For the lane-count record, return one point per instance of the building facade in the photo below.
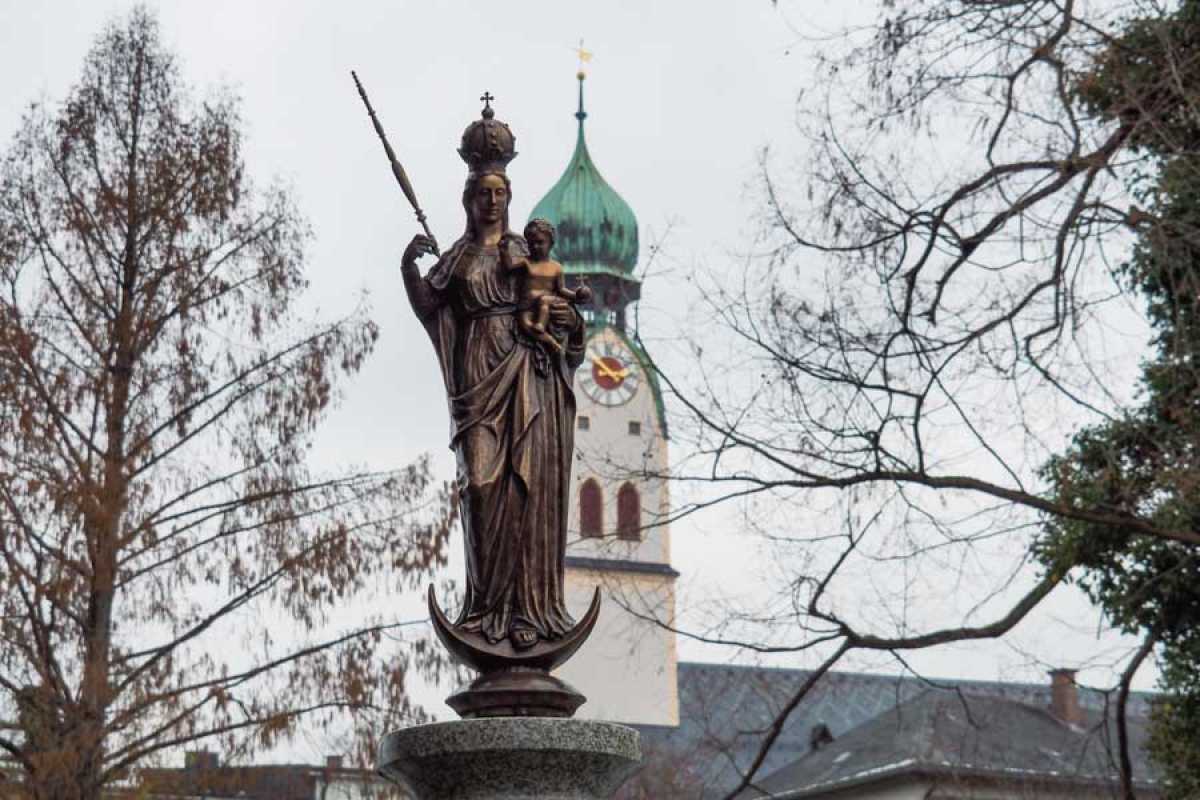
(619, 539)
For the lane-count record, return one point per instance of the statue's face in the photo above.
(490, 200)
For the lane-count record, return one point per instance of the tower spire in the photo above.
(584, 57)
(596, 228)
(581, 115)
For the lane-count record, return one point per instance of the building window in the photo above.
(635, 429)
(591, 509)
(585, 423)
(629, 513)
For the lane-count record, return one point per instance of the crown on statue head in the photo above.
(487, 143)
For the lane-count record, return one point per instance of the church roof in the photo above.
(595, 229)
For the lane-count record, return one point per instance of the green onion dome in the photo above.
(595, 230)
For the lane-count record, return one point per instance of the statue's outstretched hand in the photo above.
(419, 246)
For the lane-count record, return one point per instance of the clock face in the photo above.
(609, 374)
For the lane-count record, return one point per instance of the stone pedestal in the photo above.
(511, 758)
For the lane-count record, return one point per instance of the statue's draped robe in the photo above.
(512, 429)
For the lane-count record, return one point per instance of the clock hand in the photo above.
(607, 370)
(617, 376)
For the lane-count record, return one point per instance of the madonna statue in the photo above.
(512, 420)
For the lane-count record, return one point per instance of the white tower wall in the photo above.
(627, 668)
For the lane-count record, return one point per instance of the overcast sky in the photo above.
(681, 98)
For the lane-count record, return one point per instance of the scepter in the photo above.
(397, 169)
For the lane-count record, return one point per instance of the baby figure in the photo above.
(542, 282)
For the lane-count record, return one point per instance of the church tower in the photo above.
(618, 537)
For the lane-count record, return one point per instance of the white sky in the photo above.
(681, 97)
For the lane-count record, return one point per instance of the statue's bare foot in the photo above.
(551, 342)
(523, 638)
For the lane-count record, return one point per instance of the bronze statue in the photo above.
(512, 422)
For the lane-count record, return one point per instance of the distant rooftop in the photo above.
(203, 776)
(966, 736)
(725, 710)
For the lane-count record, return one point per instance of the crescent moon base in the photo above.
(512, 682)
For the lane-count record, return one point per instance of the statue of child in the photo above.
(542, 282)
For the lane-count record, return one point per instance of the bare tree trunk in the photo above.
(96, 689)
(1122, 728)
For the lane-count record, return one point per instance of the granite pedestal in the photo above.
(511, 758)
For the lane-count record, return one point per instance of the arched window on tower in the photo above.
(629, 512)
(591, 509)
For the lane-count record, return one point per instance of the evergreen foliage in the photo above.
(1146, 463)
